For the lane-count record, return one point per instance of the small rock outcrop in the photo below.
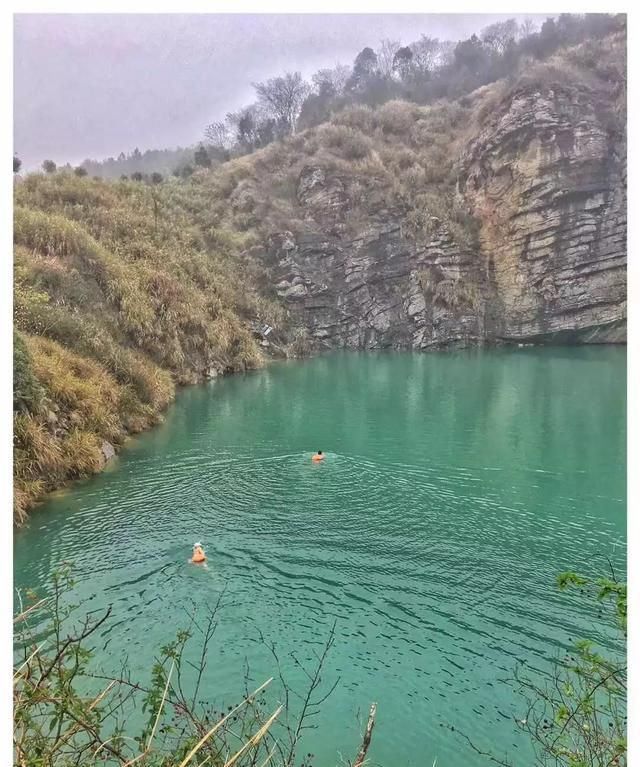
(322, 196)
(108, 451)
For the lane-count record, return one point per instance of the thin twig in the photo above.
(38, 648)
(270, 755)
(87, 631)
(219, 724)
(254, 739)
(21, 616)
(484, 753)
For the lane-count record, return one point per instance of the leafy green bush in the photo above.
(576, 714)
(578, 717)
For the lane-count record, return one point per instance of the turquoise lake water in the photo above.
(456, 486)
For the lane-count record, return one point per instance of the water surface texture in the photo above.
(456, 486)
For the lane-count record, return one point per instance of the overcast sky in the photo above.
(93, 85)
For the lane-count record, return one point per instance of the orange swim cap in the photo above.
(198, 554)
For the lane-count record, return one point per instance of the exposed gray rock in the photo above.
(108, 450)
(322, 195)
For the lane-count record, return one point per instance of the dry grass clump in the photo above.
(424, 215)
(301, 344)
(454, 294)
(78, 385)
(232, 173)
(348, 143)
(82, 405)
(42, 460)
(553, 73)
(485, 104)
(65, 190)
(397, 118)
(82, 454)
(608, 63)
(25, 495)
(51, 235)
(36, 452)
(359, 117)
(37, 462)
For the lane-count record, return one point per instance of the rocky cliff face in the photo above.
(381, 289)
(545, 181)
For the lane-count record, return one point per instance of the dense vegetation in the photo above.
(399, 157)
(119, 294)
(422, 72)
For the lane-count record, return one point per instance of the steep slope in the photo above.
(118, 297)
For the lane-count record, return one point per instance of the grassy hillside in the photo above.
(398, 156)
(119, 296)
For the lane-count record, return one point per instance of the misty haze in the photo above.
(171, 75)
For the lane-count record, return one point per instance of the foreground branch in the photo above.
(366, 740)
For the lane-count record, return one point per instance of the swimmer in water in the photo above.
(317, 457)
(198, 555)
